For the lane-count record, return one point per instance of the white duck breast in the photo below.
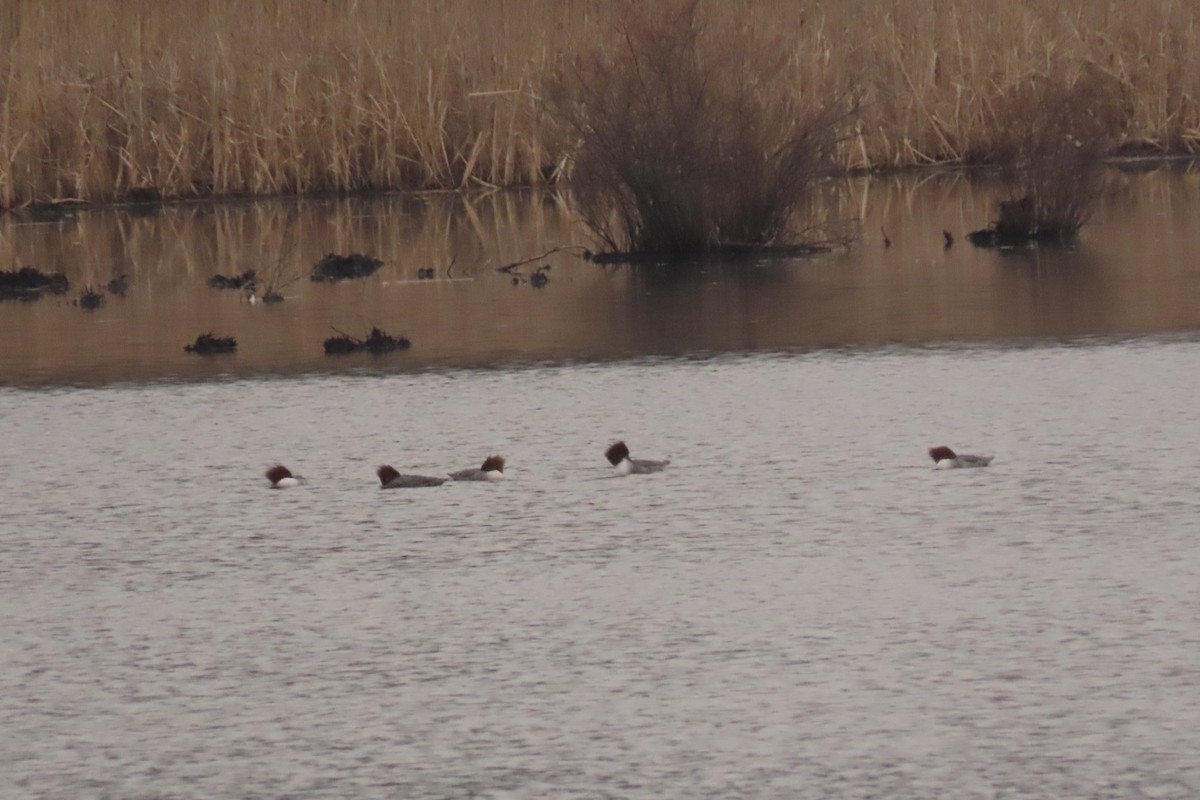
(492, 470)
(282, 478)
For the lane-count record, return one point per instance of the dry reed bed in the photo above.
(300, 96)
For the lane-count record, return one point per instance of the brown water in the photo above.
(1134, 272)
(798, 607)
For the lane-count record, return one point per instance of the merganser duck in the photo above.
(389, 478)
(282, 478)
(618, 455)
(945, 458)
(492, 470)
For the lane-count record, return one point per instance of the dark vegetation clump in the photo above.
(30, 283)
(340, 268)
(377, 342)
(91, 299)
(426, 273)
(244, 281)
(1018, 225)
(143, 196)
(207, 344)
(1052, 136)
(142, 201)
(679, 150)
(118, 286)
(50, 211)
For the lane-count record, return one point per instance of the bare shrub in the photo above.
(689, 137)
(1053, 135)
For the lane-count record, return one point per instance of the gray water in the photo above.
(798, 607)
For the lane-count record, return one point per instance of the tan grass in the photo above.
(299, 96)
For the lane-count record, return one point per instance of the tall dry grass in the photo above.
(938, 72)
(297, 96)
(280, 96)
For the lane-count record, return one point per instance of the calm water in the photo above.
(798, 607)
(1135, 272)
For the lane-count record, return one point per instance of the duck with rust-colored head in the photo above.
(945, 458)
(618, 455)
(492, 470)
(282, 478)
(390, 478)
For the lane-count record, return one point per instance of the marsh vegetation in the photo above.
(30, 283)
(1052, 136)
(91, 298)
(376, 342)
(106, 101)
(334, 267)
(677, 147)
(208, 344)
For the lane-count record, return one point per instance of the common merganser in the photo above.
(389, 478)
(618, 455)
(945, 458)
(282, 478)
(492, 470)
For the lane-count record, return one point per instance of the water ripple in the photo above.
(798, 607)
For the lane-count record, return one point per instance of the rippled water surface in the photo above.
(798, 607)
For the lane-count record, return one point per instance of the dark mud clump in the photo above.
(30, 283)
(244, 281)
(341, 268)
(206, 344)
(377, 342)
(91, 299)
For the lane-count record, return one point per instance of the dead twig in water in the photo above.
(273, 292)
(508, 268)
